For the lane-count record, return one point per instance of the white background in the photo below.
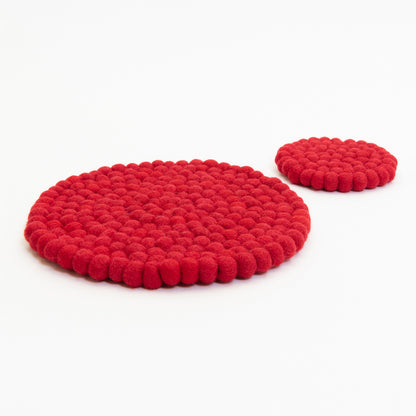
(90, 83)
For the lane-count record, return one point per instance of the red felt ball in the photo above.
(116, 268)
(227, 269)
(276, 253)
(246, 264)
(133, 273)
(52, 248)
(151, 276)
(98, 267)
(81, 260)
(263, 259)
(166, 223)
(189, 271)
(170, 272)
(65, 256)
(43, 240)
(335, 165)
(317, 180)
(345, 181)
(208, 270)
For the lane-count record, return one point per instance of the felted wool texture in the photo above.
(166, 223)
(336, 165)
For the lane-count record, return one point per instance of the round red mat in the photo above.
(336, 165)
(166, 223)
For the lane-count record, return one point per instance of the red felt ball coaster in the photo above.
(336, 165)
(166, 223)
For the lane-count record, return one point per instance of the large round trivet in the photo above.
(166, 223)
(332, 164)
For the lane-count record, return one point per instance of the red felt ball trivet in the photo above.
(166, 223)
(336, 165)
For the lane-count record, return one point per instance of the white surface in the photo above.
(91, 83)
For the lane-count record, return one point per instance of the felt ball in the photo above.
(35, 236)
(34, 224)
(116, 268)
(331, 181)
(305, 177)
(133, 273)
(227, 269)
(263, 259)
(317, 180)
(98, 267)
(246, 264)
(383, 175)
(43, 240)
(345, 181)
(189, 271)
(170, 272)
(65, 256)
(288, 246)
(81, 260)
(359, 181)
(151, 276)
(297, 237)
(276, 253)
(373, 179)
(208, 270)
(52, 248)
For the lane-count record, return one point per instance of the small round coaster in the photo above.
(166, 223)
(336, 165)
